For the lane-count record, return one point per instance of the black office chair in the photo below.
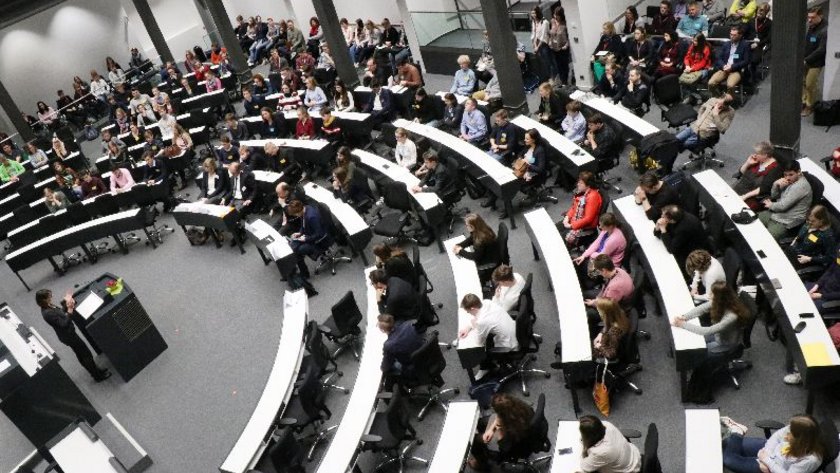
(427, 365)
(457, 191)
(485, 271)
(626, 363)
(667, 95)
(342, 326)
(146, 199)
(392, 225)
(519, 360)
(426, 313)
(828, 437)
(537, 442)
(286, 453)
(320, 357)
(307, 408)
(703, 153)
(610, 161)
(388, 431)
(330, 255)
(732, 268)
(650, 455)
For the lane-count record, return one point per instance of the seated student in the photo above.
(155, 169)
(488, 318)
(640, 51)
(464, 81)
(728, 318)
(482, 240)
(698, 61)
(600, 139)
(741, 11)
(241, 192)
(121, 180)
(616, 326)
(380, 105)
(668, 59)
(330, 126)
(531, 166)
(287, 224)
(423, 109)
(214, 184)
(473, 123)
(634, 94)
(394, 262)
(305, 127)
(789, 201)
(664, 20)
(188, 90)
(503, 138)
(135, 135)
(611, 82)
(408, 75)
(713, 117)
(213, 83)
(121, 121)
(757, 32)
(272, 125)
(704, 269)
(152, 143)
(610, 42)
(108, 137)
(405, 152)
(681, 233)
(342, 99)
(345, 188)
(55, 200)
(67, 180)
(227, 153)
(289, 99)
(235, 129)
(758, 173)
(452, 114)
(166, 124)
(374, 73)
(311, 238)
(434, 177)
(551, 111)
(694, 23)
(605, 449)
(394, 295)
(252, 104)
(261, 87)
(574, 124)
(580, 223)
(344, 158)
(91, 186)
(796, 448)
(508, 286)
(826, 289)
(11, 153)
(508, 428)
(618, 287)
(314, 97)
(491, 91)
(145, 116)
(816, 241)
(654, 194)
(117, 155)
(715, 10)
(610, 241)
(37, 157)
(272, 159)
(734, 57)
(403, 340)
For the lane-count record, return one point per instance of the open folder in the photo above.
(89, 305)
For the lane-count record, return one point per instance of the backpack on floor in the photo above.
(653, 150)
(483, 391)
(827, 113)
(91, 133)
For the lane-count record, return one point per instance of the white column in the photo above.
(584, 19)
(411, 33)
(831, 72)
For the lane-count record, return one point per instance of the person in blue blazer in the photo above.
(731, 61)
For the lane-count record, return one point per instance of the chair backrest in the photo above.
(54, 223)
(397, 415)
(748, 301)
(666, 91)
(605, 202)
(628, 347)
(311, 394)
(428, 362)
(650, 463)
(397, 196)
(525, 327)
(538, 429)
(346, 314)
(817, 188)
(828, 434)
(287, 454)
(315, 346)
(426, 313)
(77, 214)
(502, 239)
(732, 265)
(327, 222)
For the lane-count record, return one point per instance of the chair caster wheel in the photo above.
(618, 179)
(639, 392)
(419, 441)
(547, 375)
(457, 391)
(340, 373)
(527, 393)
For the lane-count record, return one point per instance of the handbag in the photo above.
(600, 393)
(743, 217)
(520, 167)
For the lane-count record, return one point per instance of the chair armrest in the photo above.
(810, 270)
(631, 433)
(737, 175)
(368, 438)
(768, 426)
(826, 159)
(324, 329)
(287, 421)
(501, 351)
(384, 395)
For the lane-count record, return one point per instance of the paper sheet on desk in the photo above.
(89, 305)
(815, 354)
(4, 365)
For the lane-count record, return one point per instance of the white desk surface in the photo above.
(497, 171)
(466, 282)
(702, 441)
(675, 294)
(621, 114)
(397, 173)
(455, 437)
(396, 89)
(279, 248)
(315, 145)
(568, 436)
(814, 340)
(460, 98)
(831, 193)
(197, 97)
(267, 176)
(291, 115)
(201, 208)
(76, 453)
(568, 148)
(279, 386)
(352, 222)
(574, 325)
(358, 414)
(25, 352)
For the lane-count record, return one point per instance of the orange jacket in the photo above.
(591, 210)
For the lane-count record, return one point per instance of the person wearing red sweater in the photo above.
(580, 223)
(305, 128)
(698, 61)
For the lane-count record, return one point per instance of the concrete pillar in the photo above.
(583, 21)
(153, 30)
(325, 10)
(229, 40)
(13, 112)
(788, 39)
(411, 33)
(503, 45)
(831, 73)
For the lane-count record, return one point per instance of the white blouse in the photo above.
(406, 153)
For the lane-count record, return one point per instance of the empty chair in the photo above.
(342, 326)
(608, 162)
(330, 256)
(308, 409)
(393, 224)
(453, 197)
(666, 93)
(146, 198)
(388, 432)
(428, 364)
(320, 357)
(286, 454)
(537, 441)
(650, 455)
(519, 359)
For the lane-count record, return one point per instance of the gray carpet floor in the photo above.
(221, 313)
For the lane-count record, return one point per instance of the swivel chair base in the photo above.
(434, 397)
(522, 370)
